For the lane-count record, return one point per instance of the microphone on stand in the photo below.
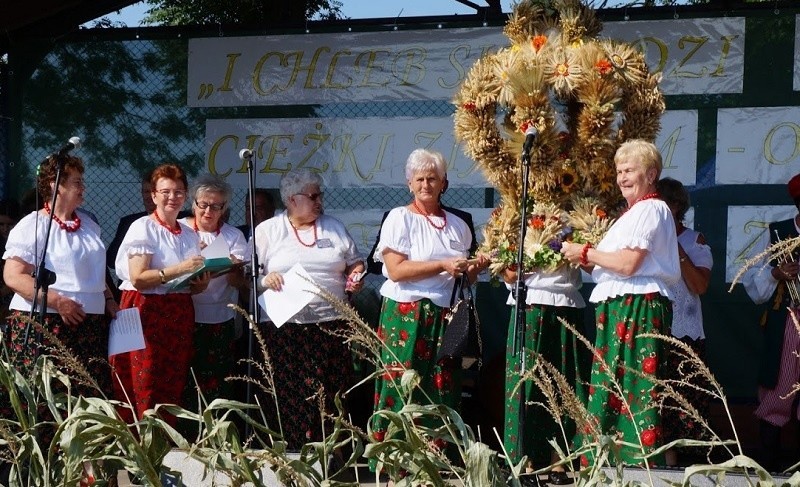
(530, 137)
(245, 154)
(72, 143)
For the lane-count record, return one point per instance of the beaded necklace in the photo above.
(174, 231)
(76, 221)
(194, 224)
(444, 224)
(648, 196)
(297, 235)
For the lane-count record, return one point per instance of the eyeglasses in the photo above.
(312, 197)
(178, 193)
(213, 206)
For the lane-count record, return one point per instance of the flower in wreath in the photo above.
(603, 67)
(627, 63)
(568, 178)
(563, 70)
(589, 220)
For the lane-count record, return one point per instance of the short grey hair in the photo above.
(209, 183)
(642, 152)
(425, 160)
(293, 182)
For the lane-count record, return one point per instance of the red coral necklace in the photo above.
(76, 221)
(194, 223)
(297, 235)
(419, 210)
(648, 196)
(174, 231)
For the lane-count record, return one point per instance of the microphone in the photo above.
(245, 154)
(530, 136)
(72, 143)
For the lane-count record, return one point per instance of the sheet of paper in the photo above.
(294, 295)
(216, 249)
(125, 333)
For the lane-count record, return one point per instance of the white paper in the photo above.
(216, 249)
(125, 333)
(294, 295)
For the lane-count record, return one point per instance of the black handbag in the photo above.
(462, 336)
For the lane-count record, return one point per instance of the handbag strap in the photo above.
(461, 289)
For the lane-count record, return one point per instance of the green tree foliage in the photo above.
(137, 115)
(249, 12)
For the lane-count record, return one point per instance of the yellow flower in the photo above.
(569, 179)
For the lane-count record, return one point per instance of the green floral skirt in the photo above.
(623, 397)
(411, 334)
(547, 338)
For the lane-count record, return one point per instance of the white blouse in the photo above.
(147, 237)
(558, 288)
(279, 249)
(412, 234)
(687, 315)
(211, 306)
(77, 258)
(647, 225)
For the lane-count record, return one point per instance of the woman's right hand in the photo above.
(273, 281)
(70, 311)
(509, 276)
(191, 264)
(456, 266)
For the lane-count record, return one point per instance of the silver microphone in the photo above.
(245, 154)
(72, 143)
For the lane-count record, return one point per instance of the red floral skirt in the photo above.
(156, 374)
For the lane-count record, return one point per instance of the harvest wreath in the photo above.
(585, 96)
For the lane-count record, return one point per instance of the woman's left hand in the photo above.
(200, 283)
(236, 277)
(572, 251)
(354, 282)
(111, 308)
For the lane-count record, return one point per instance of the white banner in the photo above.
(697, 56)
(677, 142)
(796, 79)
(354, 152)
(748, 235)
(347, 152)
(757, 145)
(334, 68)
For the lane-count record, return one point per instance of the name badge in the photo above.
(324, 243)
(456, 245)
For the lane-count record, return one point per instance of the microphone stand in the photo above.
(43, 277)
(254, 274)
(520, 294)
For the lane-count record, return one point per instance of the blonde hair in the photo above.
(641, 151)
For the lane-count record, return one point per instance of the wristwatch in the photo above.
(162, 276)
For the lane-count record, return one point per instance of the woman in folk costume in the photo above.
(633, 265)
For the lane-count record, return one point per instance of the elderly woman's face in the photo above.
(208, 208)
(306, 206)
(169, 195)
(634, 180)
(426, 186)
(71, 189)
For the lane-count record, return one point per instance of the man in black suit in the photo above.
(264, 208)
